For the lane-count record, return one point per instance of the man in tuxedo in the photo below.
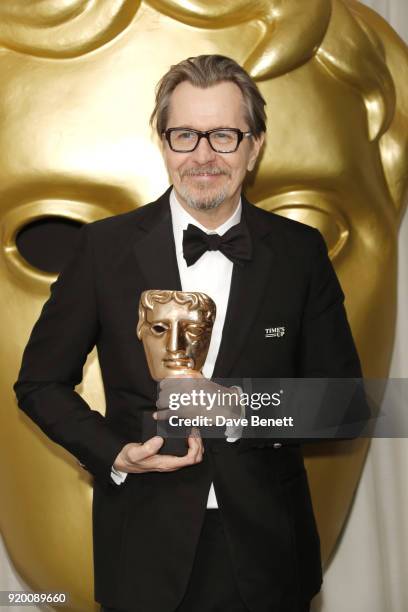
(229, 525)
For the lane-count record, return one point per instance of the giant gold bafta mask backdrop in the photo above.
(77, 90)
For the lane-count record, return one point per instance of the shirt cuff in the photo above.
(234, 432)
(118, 476)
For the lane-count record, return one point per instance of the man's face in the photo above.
(205, 179)
(175, 339)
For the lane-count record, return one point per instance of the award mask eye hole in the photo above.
(47, 243)
(194, 331)
(158, 329)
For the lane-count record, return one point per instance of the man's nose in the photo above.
(203, 153)
(176, 340)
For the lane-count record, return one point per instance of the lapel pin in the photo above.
(274, 332)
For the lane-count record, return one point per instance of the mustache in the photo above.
(204, 170)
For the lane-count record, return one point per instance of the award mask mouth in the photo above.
(175, 363)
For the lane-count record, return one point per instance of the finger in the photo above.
(198, 453)
(163, 400)
(201, 446)
(164, 383)
(186, 373)
(181, 381)
(149, 448)
(164, 463)
(171, 381)
(171, 462)
(162, 415)
(196, 433)
(195, 447)
(183, 412)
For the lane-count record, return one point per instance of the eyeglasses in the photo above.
(224, 140)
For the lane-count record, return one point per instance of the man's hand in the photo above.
(137, 457)
(205, 398)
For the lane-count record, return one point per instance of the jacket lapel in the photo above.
(248, 284)
(154, 247)
(156, 258)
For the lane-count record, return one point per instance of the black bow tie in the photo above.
(235, 243)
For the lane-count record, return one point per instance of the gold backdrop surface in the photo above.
(77, 90)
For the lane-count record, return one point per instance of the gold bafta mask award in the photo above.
(175, 328)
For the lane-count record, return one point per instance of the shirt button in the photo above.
(277, 445)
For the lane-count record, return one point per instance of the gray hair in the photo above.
(205, 71)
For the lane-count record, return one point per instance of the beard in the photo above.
(202, 197)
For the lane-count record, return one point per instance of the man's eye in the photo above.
(185, 135)
(223, 136)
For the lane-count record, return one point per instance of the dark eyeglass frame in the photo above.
(240, 136)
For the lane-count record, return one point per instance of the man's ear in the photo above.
(257, 142)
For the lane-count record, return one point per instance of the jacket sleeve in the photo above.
(52, 366)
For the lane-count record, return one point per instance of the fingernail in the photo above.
(155, 415)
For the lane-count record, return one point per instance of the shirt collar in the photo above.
(181, 218)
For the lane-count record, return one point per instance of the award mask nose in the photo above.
(176, 343)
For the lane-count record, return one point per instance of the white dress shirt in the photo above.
(210, 274)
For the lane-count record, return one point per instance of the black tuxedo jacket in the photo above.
(146, 530)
